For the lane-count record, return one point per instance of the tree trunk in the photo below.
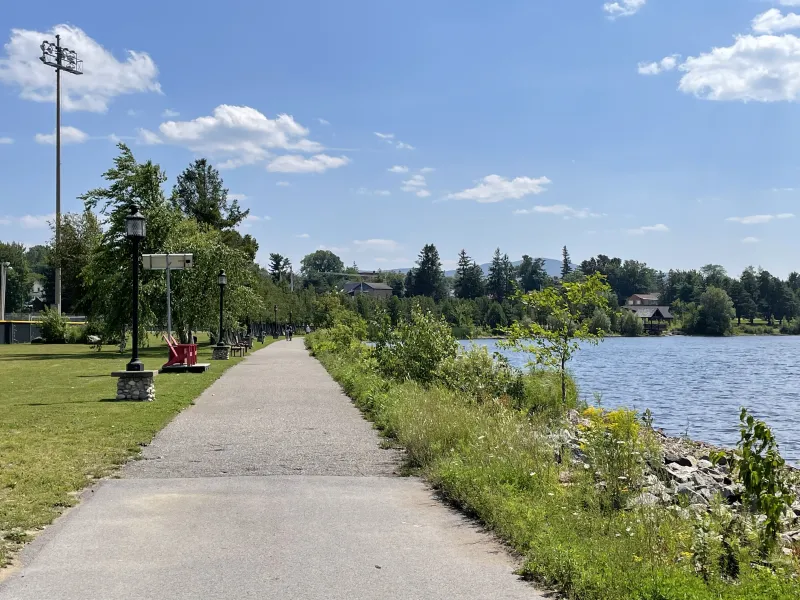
(563, 382)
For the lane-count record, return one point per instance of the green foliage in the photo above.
(200, 194)
(630, 325)
(532, 274)
(559, 326)
(81, 236)
(469, 281)
(427, 278)
(615, 451)
(566, 263)
(314, 267)
(600, 323)
(53, 326)
(496, 316)
(18, 281)
(414, 349)
(502, 280)
(713, 315)
(762, 471)
(483, 377)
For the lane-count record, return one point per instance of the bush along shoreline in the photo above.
(599, 504)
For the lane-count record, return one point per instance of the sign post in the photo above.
(168, 262)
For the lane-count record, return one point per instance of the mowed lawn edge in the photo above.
(61, 427)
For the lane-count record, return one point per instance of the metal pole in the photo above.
(2, 291)
(169, 304)
(221, 292)
(58, 175)
(135, 364)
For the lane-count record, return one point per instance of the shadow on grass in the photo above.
(143, 353)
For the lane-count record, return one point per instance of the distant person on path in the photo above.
(291, 332)
(308, 329)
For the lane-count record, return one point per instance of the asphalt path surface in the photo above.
(272, 486)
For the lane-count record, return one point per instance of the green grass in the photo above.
(61, 427)
(492, 463)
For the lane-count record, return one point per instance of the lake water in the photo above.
(696, 384)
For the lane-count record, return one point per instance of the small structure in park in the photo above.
(655, 317)
(182, 358)
(379, 290)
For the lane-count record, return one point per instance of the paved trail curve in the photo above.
(271, 487)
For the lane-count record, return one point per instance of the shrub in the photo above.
(414, 349)
(481, 376)
(53, 327)
(630, 325)
(600, 322)
(76, 334)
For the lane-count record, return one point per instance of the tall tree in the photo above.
(715, 276)
(502, 277)
(566, 264)
(108, 275)
(81, 236)
(743, 303)
(749, 281)
(277, 266)
(199, 193)
(18, 281)
(427, 278)
(469, 282)
(317, 268)
(41, 268)
(532, 274)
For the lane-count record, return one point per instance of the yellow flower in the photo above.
(637, 559)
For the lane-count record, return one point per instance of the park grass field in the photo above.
(61, 427)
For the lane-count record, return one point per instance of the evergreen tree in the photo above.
(427, 278)
(277, 266)
(532, 274)
(502, 277)
(469, 282)
(200, 194)
(566, 264)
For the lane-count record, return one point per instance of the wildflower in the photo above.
(533, 473)
(637, 559)
(550, 494)
(617, 535)
(481, 437)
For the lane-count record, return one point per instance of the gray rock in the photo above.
(643, 499)
(686, 490)
(705, 464)
(679, 473)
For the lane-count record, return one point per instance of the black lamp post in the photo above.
(135, 230)
(222, 279)
(275, 331)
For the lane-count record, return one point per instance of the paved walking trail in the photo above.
(271, 487)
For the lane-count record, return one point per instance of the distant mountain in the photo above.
(551, 265)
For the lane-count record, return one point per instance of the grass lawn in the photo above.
(60, 427)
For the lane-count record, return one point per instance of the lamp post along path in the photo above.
(60, 58)
(135, 230)
(222, 279)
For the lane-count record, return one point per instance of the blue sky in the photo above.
(661, 130)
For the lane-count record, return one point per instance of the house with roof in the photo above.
(655, 317)
(370, 288)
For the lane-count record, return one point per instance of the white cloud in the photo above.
(416, 185)
(104, 78)
(750, 240)
(623, 8)
(5, 221)
(132, 112)
(367, 192)
(282, 183)
(404, 146)
(398, 169)
(759, 219)
(376, 244)
(667, 63)
(36, 221)
(69, 135)
(238, 197)
(304, 236)
(251, 218)
(241, 134)
(494, 188)
(384, 136)
(763, 68)
(560, 210)
(323, 121)
(170, 114)
(423, 193)
(660, 228)
(293, 163)
(427, 170)
(335, 249)
(6, 140)
(773, 21)
(147, 137)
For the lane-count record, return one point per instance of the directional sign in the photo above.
(176, 262)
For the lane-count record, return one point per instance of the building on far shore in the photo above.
(655, 317)
(370, 288)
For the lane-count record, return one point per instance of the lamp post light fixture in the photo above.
(60, 58)
(222, 280)
(5, 267)
(135, 230)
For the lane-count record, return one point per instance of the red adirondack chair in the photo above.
(180, 354)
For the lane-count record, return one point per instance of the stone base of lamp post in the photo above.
(220, 352)
(136, 385)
